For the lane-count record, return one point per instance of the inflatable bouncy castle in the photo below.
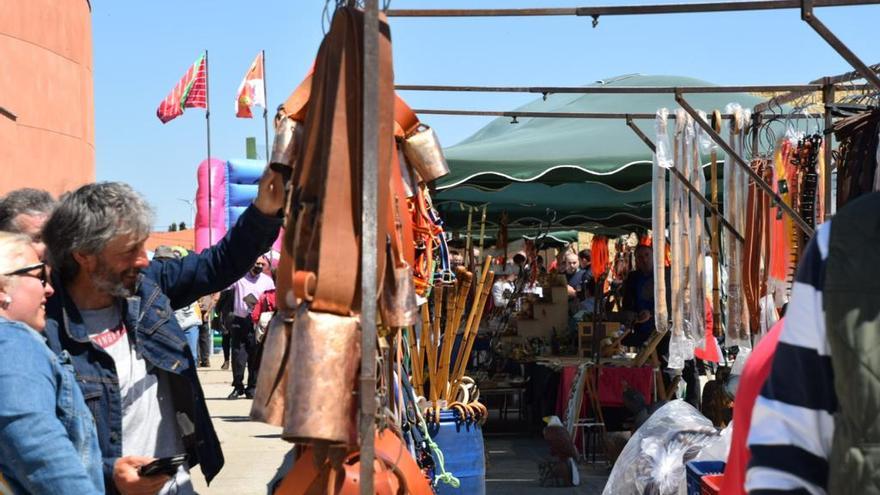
(234, 185)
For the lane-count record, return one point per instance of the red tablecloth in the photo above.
(610, 386)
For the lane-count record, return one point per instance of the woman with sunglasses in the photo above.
(48, 441)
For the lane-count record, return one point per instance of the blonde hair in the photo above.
(14, 248)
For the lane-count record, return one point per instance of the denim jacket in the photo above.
(48, 441)
(163, 286)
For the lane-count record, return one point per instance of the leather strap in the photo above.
(327, 184)
(405, 120)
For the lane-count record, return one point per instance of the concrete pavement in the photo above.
(253, 451)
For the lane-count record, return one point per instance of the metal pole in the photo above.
(679, 8)
(546, 90)
(690, 187)
(731, 154)
(369, 222)
(573, 115)
(828, 99)
(482, 233)
(839, 46)
(265, 106)
(208, 126)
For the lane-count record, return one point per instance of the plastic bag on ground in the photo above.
(653, 461)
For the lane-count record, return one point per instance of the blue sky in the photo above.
(141, 49)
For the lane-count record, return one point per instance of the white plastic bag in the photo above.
(653, 461)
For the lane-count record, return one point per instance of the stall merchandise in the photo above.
(313, 343)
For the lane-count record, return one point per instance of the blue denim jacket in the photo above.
(163, 286)
(48, 441)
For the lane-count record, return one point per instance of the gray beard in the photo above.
(107, 282)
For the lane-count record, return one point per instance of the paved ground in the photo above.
(254, 451)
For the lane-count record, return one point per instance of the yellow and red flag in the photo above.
(252, 90)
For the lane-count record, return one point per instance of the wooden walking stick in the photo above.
(452, 326)
(484, 274)
(414, 359)
(448, 339)
(432, 347)
(472, 330)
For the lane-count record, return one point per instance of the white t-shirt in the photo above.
(149, 427)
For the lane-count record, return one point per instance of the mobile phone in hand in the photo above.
(164, 465)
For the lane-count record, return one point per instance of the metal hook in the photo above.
(514, 121)
(595, 21)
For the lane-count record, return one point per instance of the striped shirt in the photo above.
(792, 421)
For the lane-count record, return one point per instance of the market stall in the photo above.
(386, 286)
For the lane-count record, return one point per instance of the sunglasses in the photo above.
(26, 272)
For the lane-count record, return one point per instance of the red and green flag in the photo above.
(190, 92)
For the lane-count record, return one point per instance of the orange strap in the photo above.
(296, 104)
(405, 120)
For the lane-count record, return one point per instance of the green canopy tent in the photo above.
(584, 173)
(553, 239)
(532, 206)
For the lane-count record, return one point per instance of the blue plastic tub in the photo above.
(697, 469)
(462, 445)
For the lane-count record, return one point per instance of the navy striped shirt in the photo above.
(792, 421)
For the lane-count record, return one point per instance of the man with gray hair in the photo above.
(24, 211)
(113, 313)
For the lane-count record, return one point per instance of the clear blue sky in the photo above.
(143, 48)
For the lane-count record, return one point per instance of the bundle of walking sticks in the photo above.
(431, 352)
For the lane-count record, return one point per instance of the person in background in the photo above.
(263, 313)
(48, 442)
(112, 313)
(245, 348)
(223, 321)
(24, 211)
(577, 277)
(539, 260)
(206, 330)
(502, 288)
(584, 259)
(638, 300)
(455, 259)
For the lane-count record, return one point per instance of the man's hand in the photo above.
(129, 482)
(270, 196)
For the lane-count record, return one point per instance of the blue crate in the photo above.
(697, 469)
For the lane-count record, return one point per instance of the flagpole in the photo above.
(265, 106)
(208, 127)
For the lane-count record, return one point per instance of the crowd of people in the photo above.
(99, 344)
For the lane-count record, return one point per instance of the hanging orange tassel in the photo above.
(599, 256)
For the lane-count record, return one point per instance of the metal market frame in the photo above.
(368, 405)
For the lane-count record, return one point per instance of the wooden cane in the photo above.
(433, 343)
(484, 274)
(448, 339)
(415, 362)
(472, 332)
(464, 288)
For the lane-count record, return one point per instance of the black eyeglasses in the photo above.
(26, 272)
